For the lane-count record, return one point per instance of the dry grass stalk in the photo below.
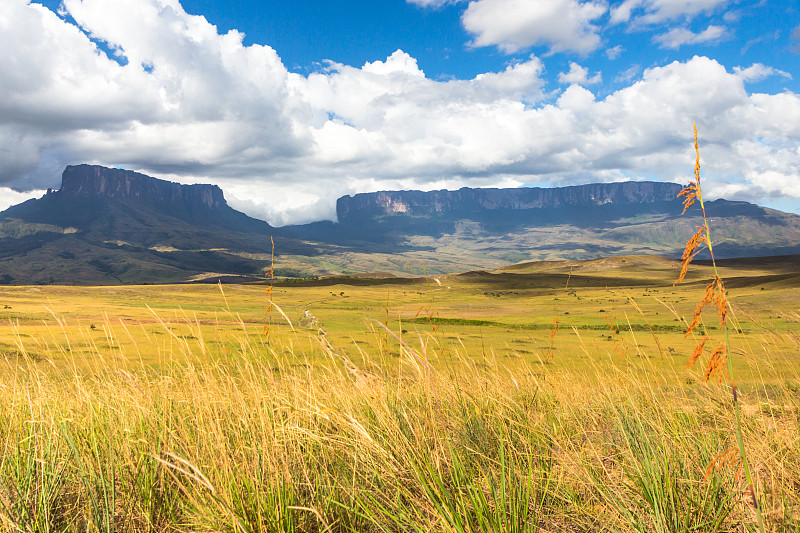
(715, 295)
(698, 351)
(728, 458)
(553, 333)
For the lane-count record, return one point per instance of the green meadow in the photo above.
(550, 396)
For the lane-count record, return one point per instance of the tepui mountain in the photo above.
(110, 226)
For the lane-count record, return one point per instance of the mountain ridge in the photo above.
(468, 199)
(108, 226)
(95, 180)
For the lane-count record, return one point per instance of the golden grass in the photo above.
(294, 433)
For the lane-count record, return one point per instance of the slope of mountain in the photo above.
(115, 226)
(107, 226)
(486, 228)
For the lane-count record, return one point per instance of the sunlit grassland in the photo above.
(195, 407)
(604, 319)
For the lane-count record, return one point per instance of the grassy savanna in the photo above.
(609, 311)
(164, 408)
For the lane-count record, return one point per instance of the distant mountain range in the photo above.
(108, 226)
(115, 226)
(487, 228)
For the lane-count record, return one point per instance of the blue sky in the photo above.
(288, 105)
(354, 32)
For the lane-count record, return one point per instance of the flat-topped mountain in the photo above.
(466, 200)
(97, 181)
(107, 226)
(88, 190)
(487, 228)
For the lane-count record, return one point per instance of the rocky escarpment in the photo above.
(466, 200)
(91, 194)
(108, 225)
(115, 226)
(97, 181)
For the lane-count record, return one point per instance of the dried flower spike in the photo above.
(698, 351)
(692, 191)
(691, 250)
(715, 294)
(716, 362)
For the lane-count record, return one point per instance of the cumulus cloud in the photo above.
(758, 72)
(677, 37)
(283, 146)
(387, 115)
(432, 3)
(579, 75)
(472, 132)
(176, 112)
(644, 12)
(561, 25)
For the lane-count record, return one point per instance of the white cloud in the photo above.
(627, 75)
(433, 3)
(643, 12)
(64, 99)
(758, 72)
(731, 17)
(513, 25)
(614, 52)
(9, 197)
(677, 37)
(579, 75)
(388, 115)
(284, 146)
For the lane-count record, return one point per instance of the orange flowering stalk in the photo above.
(715, 295)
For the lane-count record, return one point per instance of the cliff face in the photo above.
(108, 226)
(97, 181)
(475, 200)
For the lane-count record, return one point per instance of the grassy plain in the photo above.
(399, 404)
(609, 311)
